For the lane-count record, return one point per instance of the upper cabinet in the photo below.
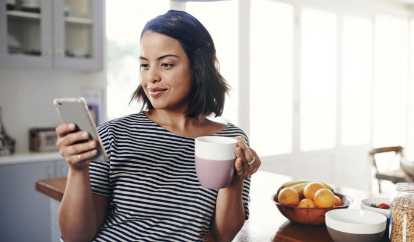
(61, 34)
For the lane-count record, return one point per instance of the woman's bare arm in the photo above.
(229, 215)
(81, 213)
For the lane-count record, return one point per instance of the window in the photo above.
(123, 50)
(271, 77)
(390, 82)
(220, 19)
(371, 81)
(318, 80)
(357, 52)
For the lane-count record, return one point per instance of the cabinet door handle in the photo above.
(47, 52)
(59, 53)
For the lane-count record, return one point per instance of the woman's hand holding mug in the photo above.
(247, 161)
(220, 160)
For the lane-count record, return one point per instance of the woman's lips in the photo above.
(156, 91)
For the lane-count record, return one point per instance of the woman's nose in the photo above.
(153, 75)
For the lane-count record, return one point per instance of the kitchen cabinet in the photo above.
(25, 214)
(60, 34)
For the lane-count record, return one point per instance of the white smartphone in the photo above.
(75, 110)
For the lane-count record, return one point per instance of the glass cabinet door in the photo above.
(25, 33)
(78, 34)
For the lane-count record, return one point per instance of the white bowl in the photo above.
(366, 205)
(355, 225)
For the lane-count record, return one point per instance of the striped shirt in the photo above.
(151, 183)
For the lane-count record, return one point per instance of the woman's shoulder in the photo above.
(125, 121)
(231, 130)
(235, 129)
(120, 124)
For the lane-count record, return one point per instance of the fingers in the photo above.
(244, 156)
(63, 129)
(72, 143)
(71, 138)
(78, 156)
(80, 148)
(246, 150)
(257, 162)
(79, 159)
(240, 158)
(239, 167)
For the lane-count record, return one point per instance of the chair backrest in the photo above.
(396, 149)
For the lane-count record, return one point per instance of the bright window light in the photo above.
(390, 82)
(318, 80)
(125, 20)
(357, 58)
(271, 77)
(220, 19)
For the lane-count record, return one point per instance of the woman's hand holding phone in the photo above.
(81, 213)
(75, 146)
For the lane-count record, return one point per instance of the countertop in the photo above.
(53, 188)
(266, 223)
(27, 157)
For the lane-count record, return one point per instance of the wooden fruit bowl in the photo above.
(311, 216)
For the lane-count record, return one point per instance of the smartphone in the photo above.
(75, 110)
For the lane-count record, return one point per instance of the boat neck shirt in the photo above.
(150, 179)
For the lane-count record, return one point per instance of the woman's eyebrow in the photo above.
(168, 55)
(159, 58)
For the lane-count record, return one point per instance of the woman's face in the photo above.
(166, 76)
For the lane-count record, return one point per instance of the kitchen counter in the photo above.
(29, 157)
(53, 188)
(266, 223)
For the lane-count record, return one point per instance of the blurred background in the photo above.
(316, 84)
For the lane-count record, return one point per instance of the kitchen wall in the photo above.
(26, 97)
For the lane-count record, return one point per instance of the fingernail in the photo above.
(238, 138)
(85, 134)
(71, 126)
(92, 144)
(93, 152)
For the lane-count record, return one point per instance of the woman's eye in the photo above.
(167, 65)
(144, 65)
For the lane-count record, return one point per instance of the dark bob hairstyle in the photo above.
(209, 87)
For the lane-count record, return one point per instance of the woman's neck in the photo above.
(183, 126)
(172, 119)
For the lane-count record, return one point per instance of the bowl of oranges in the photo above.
(306, 202)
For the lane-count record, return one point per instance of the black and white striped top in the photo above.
(152, 183)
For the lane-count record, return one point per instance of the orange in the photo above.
(306, 203)
(288, 196)
(324, 198)
(338, 201)
(310, 189)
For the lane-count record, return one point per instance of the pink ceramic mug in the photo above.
(214, 160)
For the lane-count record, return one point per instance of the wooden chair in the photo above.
(394, 176)
(405, 166)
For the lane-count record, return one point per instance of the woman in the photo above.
(148, 190)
